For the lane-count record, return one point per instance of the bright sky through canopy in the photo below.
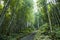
(2, 2)
(53, 1)
(35, 6)
(34, 0)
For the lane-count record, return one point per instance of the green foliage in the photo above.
(17, 15)
(43, 33)
(19, 20)
(1, 7)
(26, 31)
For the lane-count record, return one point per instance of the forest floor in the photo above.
(30, 37)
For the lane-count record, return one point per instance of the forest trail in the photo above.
(29, 37)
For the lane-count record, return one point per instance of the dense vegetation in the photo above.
(19, 18)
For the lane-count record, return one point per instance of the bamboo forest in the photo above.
(29, 19)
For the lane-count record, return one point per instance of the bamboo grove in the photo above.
(19, 18)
